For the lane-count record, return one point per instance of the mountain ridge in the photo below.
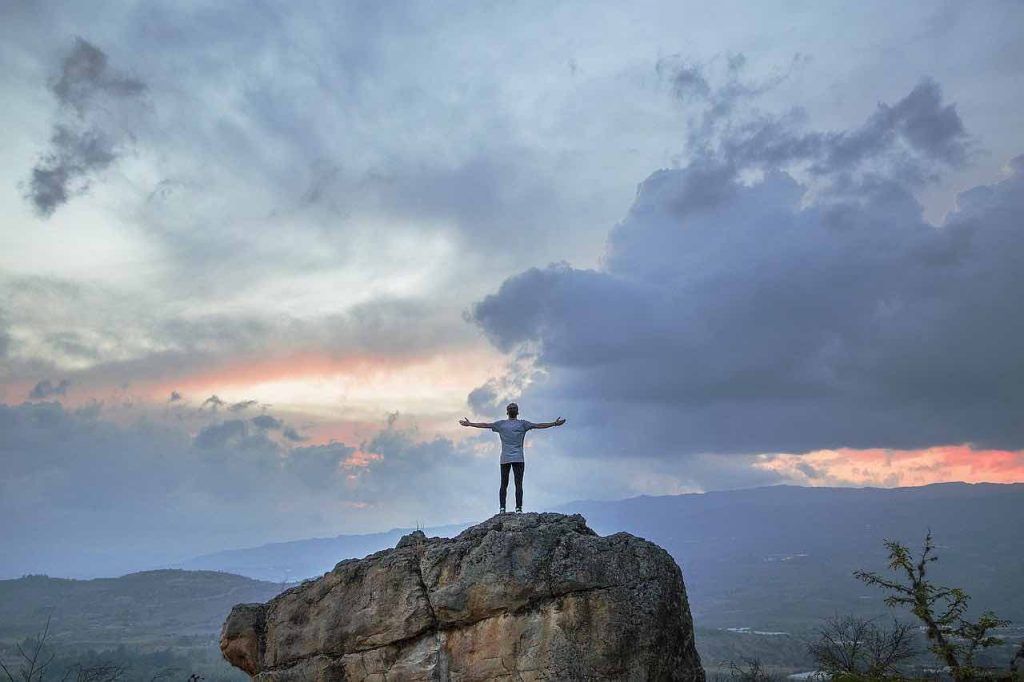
(803, 541)
(771, 559)
(380, 540)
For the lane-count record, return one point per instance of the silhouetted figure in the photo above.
(512, 432)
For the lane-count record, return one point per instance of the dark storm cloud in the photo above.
(175, 397)
(740, 317)
(929, 127)
(89, 135)
(909, 141)
(46, 389)
(294, 436)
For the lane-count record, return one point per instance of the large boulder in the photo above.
(517, 597)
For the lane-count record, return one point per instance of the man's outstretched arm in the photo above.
(481, 425)
(548, 425)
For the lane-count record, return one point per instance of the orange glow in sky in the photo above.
(891, 468)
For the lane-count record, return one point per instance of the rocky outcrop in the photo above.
(517, 597)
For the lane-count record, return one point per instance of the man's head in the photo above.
(513, 410)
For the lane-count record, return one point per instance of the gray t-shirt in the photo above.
(512, 432)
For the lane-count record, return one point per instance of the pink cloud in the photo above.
(890, 468)
(360, 460)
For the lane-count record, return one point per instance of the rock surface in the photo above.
(517, 597)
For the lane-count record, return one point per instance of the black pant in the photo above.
(517, 469)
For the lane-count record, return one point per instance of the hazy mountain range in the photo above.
(767, 558)
(762, 568)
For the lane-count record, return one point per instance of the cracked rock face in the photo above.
(517, 597)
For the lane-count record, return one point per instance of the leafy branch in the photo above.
(952, 637)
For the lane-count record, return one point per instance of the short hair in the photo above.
(512, 407)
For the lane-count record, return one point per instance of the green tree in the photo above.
(953, 638)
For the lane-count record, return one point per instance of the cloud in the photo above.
(214, 403)
(807, 306)
(243, 405)
(888, 467)
(265, 421)
(401, 463)
(5, 337)
(233, 433)
(175, 397)
(319, 466)
(86, 76)
(254, 162)
(90, 133)
(484, 398)
(45, 389)
(497, 392)
(150, 494)
(99, 336)
(219, 435)
(229, 142)
(246, 225)
(910, 141)
(268, 423)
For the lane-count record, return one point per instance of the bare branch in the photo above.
(852, 646)
(7, 672)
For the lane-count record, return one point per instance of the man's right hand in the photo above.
(464, 421)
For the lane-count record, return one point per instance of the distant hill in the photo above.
(774, 559)
(757, 563)
(771, 559)
(165, 608)
(781, 557)
(300, 559)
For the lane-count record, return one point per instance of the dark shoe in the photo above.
(501, 511)
(519, 510)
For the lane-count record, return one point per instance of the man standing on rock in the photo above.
(512, 432)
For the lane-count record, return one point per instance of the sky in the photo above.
(258, 259)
